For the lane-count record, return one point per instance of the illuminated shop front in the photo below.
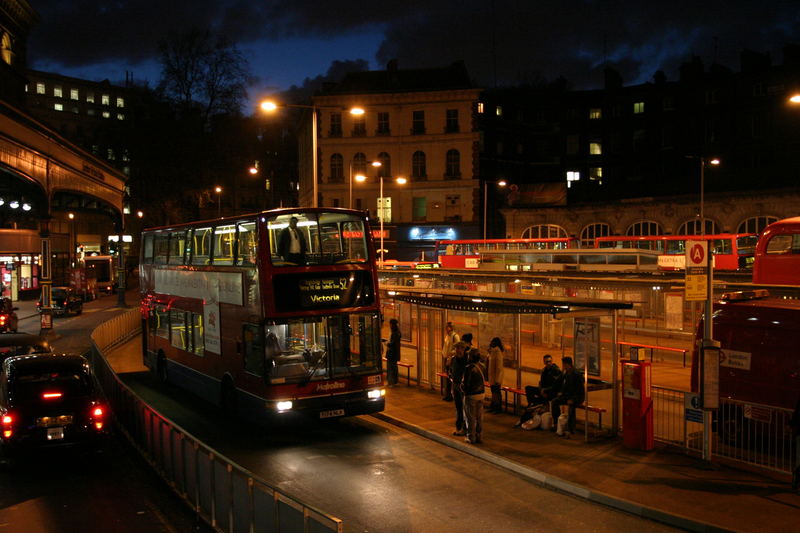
(20, 275)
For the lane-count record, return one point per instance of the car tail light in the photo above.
(97, 416)
(7, 421)
(3, 319)
(51, 395)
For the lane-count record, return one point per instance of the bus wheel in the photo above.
(227, 397)
(161, 368)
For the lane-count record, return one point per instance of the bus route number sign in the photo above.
(697, 271)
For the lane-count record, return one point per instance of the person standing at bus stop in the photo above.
(392, 353)
(495, 374)
(448, 350)
(457, 365)
(292, 244)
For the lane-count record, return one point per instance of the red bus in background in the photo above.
(466, 253)
(230, 319)
(732, 251)
(777, 256)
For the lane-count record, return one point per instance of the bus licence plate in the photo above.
(331, 413)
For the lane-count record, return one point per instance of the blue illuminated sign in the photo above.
(432, 233)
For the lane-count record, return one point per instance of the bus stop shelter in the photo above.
(529, 327)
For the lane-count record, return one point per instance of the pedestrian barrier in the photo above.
(743, 432)
(227, 496)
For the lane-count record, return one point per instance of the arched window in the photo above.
(337, 168)
(359, 163)
(544, 231)
(590, 232)
(418, 170)
(453, 165)
(385, 170)
(6, 52)
(644, 228)
(755, 224)
(694, 227)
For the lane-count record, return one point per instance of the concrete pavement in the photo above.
(665, 485)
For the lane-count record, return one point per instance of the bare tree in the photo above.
(204, 72)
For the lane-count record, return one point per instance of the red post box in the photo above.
(637, 405)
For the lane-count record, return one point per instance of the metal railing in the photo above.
(669, 421)
(750, 433)
(227, 496)
(755, 434)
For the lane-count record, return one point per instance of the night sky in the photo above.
(291, 42)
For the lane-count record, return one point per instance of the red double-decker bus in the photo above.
(777, 260)
(466, 253)
(732, 251)
(270, 313)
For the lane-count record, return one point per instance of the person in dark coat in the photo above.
(292, 244)
(393, 352)
(570, 393)
(457, 366)
(549, 380)
(473, 387)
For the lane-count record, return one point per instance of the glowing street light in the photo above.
(218, 190)
(269, 106)
(381, 200)
(500, 183)
(358, 177)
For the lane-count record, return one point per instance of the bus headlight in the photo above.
(374, 394)
(283, 406)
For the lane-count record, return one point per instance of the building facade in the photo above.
(420, 125)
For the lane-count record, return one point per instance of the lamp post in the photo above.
(358, 177)
(382, 204)
(500, 183)
(72, 244)
(218, 190)
(707, 342)
(270, 106)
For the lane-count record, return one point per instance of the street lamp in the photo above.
(358, 177)
(500, 183)
(707, 341)
(270, 106)
(218, 190)
(381, 202)
(703, 162)
(72, 244)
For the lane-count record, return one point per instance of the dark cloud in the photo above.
(509, 40)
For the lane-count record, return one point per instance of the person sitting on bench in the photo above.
(546, 391)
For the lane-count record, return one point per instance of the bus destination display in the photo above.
(345, 289)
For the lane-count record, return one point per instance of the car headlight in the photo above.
(374, 394)
(283, 406)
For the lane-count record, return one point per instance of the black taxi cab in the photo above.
(49, 399)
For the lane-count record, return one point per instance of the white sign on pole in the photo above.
(385, 209)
